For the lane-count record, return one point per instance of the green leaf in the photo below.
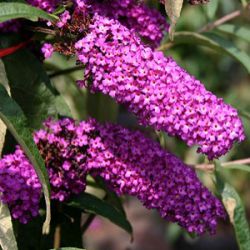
(7, 237)
(91, 204)
(112, 197)
(95, 104)
(29, 84)
(239, 31)
(238, 167)
(13, 117)
(10, 11)
(211, 8)
(4, 81)
(173, 10)
(244, 3)
(244, 114)
(214, 42)
(235, 210)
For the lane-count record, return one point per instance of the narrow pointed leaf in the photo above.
(238, 167)
(13, 117)
(173, 10)
(91, 204)
(11, 10)
(7, 237)
(214, 42)
(211, 8)
(4, 81)
(240, 31)
(235, 210)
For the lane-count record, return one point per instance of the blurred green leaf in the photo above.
(7, 236)
(112, 197)
(235, 210)
(211, 8)
(30, 86)
(244, 3)
(91, 204)
(236, 30)
(13, 117)
(238, 167)
(10, 11)
(174, 231)
(214, 42)
(102, 107)
(244, 113)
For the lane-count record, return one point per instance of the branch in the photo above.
(166, 46)
(87, 223)
(41, 30)
(220, 21)
(66, 71)
(211, 167)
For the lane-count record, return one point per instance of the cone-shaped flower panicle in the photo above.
(129, 162)
(158, 91)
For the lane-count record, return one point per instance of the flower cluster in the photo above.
(19, 186)
(47, 50)
(63, 145)
(10, 26)
(47, 5)
(147, 22)
(135, 165)
(64, 17)
(155, 88)
(128, 161)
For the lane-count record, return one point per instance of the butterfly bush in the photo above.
(129, 162)
(47, 5)
(136, 16)
(153, 87)
(19, 186)
(10, 26)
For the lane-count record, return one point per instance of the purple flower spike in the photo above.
(158, 91)
(135, 165)
(129, 162)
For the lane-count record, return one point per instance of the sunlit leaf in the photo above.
(7, 237)
(238, 167)
(240, 31)
(235, 210)
(173, 10)
(211, 8)
(214, 42)
(10, 11)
